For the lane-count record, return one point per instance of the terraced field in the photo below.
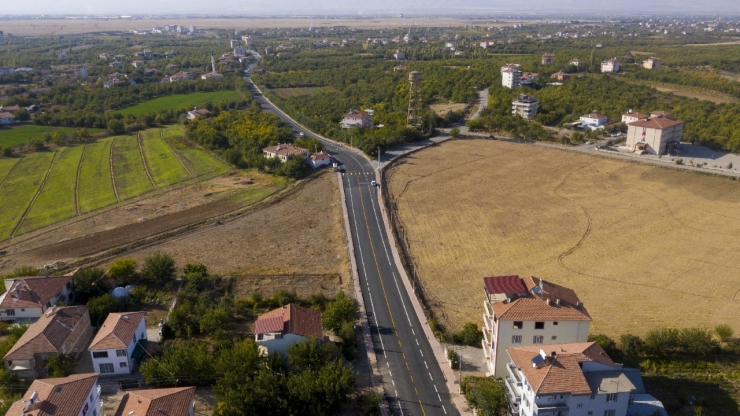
(44, 188)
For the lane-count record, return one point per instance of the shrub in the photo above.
(469, 335)
(218, 319)
(90, 283)
(454, 358)
(485, 394)
(101, 306)
(724, 332)
(454, 132)
(123, 271)
(342, 309)
(608, 344)
(7, 151)
(60, 365)
(159, 269)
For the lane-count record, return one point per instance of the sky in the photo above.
(386, 7)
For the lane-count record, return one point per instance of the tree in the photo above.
(296, 168)
(632, 347)
(341, 309)
(116, 126)
(60, 365)
(7, 151)
(608, 344)
(22, 271)
(123, 271)
(89, 283)
(469, 335)
(486, 395)
(311, 355)
(454, 132)
(215, 320)
(101, 306)
(22, 114)
(82, 133)
(159, 269)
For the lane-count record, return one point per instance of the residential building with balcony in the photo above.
(528, 311)
(511, 75)
(177, 401)
(611, 65)
(525, 106)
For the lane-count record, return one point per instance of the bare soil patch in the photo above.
(442, 109)
(732, 76)
(643, 246)
(691, 92)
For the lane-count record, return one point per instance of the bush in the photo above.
(159, 269)
(469, 335)
(485, 394)
(454, 358)
(123, 271)
(608, 344)
(724, 332)
(59, 365)
(90, 283)
(339, 311)
(296, 168)
(215, 320)
(101, 306)
(7, 151)
(454, 132)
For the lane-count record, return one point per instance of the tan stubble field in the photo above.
(642, 246)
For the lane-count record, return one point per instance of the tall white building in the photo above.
(612, 65)
(529, 311)
(511, 75)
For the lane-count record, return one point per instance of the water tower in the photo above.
(415, 100)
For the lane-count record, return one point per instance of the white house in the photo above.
(27, 298)
(357, 119)
(284, 151)
(652, 63)
(320, 159)
(656, 134)
(119, 343)
(177, 401)
(529, 311)
(511, 75)
(278, 329)
(593, 121)
(137, 64)
(6, 70)
(78, 394)
(198, 113)
(574, 379)
(575, 62)
(612, 65)
(240, 51)
(399, 56)
(631, 117)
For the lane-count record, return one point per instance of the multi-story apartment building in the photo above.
(612, 65)
(548, 59)
(525, 106)
(528, 311)
(651, 63)
(657, 134)
(511, 75)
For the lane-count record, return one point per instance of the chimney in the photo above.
(557, 302)
(579, 304)
(548, 302)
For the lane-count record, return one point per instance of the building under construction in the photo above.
(415, 100)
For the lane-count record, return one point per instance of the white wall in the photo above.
(32, 314)
(656, 139)
(113, 357)
(92, 405)
(281, 345)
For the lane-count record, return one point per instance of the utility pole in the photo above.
(378, 156)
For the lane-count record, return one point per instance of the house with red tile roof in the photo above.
(573, 379)
(357, 118)
(658, 134)
(528, 311)
(27, 298)
(176, 401)
(284, 151)
(64, 330)
(320, 159)
(119, 343)
(78, 394)
(280, 328)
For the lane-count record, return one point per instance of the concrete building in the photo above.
(6, 119)
(233, 43)
(529, 311)
(27, 298)
(278, 329)
(177, 401)
(561, 76)
(285, 151)
(574, 379)
(611, 65)
(525, 106)
(119, 343)
(138, 64)
(548, 59)
(78, 394)
(656, 135)
(64, 330)
(399, 56)
(511, 75)
(356, 118)
(7, 70)
(575, 62)
(240, 51)
(593, 121)
(630, 116)
(651, 63)
(81, 72)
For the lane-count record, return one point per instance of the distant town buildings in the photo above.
(525, 106)
(198, 113)
(548, 59)
(651, 63)
(511, 75)
(399, 56)
(560, 76)
(575, 62)
(611, 65)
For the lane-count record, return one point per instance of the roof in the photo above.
(594, 115)
(172, 402)
(656, 123)
(6, 114)
(609, 381)
(320, 156)
(504, 284)
(561, 372)
(117, 331)
(33, 291)
(295, 320)
(284, 149)
(56, 396)
(47, 335)
(357, 114)
(534, 306)
(635, 114)
(200, 112)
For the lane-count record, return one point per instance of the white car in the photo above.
(589, 142)
(373, 183)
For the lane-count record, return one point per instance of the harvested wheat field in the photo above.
(643, 246)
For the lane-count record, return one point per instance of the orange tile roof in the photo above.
(117, 331)
(33, 291)
(157, 402)
(48, 333)
(534, 306)
(295, 320)
(656, 123)
(56, 396)
(635, 114)
(562, 372)
(285, 150)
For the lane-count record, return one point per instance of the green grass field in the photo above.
(164, 166)
(179, 101)
(21, 134)
(96, 187)
(6, 165)
(18, 191)
(198, 162)
(299, 91)
(56, 201)
(128, 168)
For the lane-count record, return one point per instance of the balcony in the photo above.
(560, 409)
(488, 309)
(487, 323)
(487, 340)
(486, 349)
(513, 388)
(514, 373)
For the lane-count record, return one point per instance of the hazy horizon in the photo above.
(386, 7)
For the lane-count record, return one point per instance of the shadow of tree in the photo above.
(714, 396)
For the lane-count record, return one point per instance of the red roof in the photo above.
(291, 319)
(656, 123)
(504, 284)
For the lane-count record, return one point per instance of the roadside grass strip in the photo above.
(128, 168)
(20, 188)
(96, 189)
(56, 201)
(163, 164)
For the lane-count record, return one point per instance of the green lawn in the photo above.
(96, 188)
(202, 165)
(56, 201)
(128, 168)
(20, 188)
(6, 165)
(164, 166)
(21, 134)
(179, 101)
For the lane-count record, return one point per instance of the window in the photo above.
(124, 364)
(610, 413)
(100, 354)
(611, 397)
(106, 368)
(554, 338)
(142, 336)
(550, 397)
(539, 325)
(23, 310)
(518, 325)
(555, 323)
(579, 406)
(516, 339)
(10, 312)
(537, 339)
(120, 353)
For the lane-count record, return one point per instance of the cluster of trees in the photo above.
(486, 395)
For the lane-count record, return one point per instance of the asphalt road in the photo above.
(412, 380)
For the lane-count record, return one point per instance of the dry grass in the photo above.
(643, 246)
(732, 76)
(442, 109)
(690, 92)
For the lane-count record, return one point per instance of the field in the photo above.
(442, 109)
(690, 92)
(297, 92)
(80, 180)
(22, 134)
(179, 101)
(643, 246)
